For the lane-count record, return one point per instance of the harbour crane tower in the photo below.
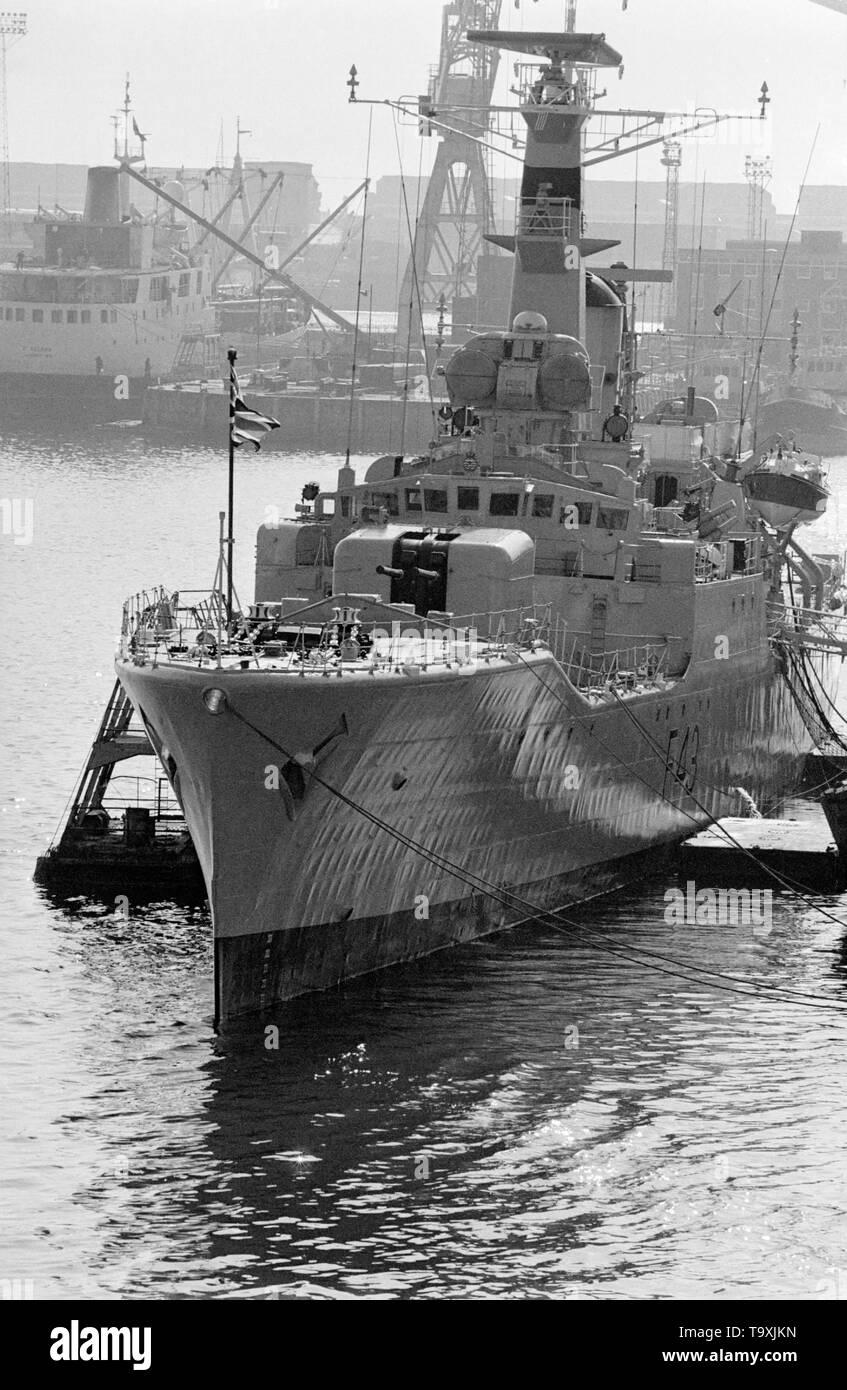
(457, 210)
(671, 159)
(13, 24)
(758, 173)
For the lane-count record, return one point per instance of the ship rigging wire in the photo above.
(355, 361)
(694, 974)
(745, 401)
(415, 288)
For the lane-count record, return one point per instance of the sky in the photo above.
(281, 66)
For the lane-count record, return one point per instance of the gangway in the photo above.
(116, 836)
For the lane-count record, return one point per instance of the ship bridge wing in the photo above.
(588, 50)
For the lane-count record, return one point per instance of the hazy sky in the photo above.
(282, 66)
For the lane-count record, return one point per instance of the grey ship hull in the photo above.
(506, 772)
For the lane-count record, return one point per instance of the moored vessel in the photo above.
(490, 679)
(102, 306)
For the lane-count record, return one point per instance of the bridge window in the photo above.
(20, 314)
(611, 519)
(583, 513)
(504, 504)
(55, 316)
(38, 315)
(389, 500)
(184, 283)
(104, 315)
(542, 504)
(413, 499)
(435, 499)
(85, 316)
(72, 316)
(467, 499)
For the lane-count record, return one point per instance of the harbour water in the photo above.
(542, 1114)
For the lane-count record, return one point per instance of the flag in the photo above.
(246, 425)
(137, 132)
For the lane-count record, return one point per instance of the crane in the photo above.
(310, 300)
(758, 173)
(13, 25)
(456, 212)
(671, 159)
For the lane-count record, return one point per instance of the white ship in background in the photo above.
(491, 679)
(102, 305)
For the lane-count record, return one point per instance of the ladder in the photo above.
(114, 742)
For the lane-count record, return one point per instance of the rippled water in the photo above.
(533, 1115)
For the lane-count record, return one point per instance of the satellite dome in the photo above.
(529, 321)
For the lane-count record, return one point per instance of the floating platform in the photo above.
(109, 859)
(114, 839)
(801, 851)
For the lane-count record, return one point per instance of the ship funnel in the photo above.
(102, 197)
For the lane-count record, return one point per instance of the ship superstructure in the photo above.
(101, 306)
(490, 679)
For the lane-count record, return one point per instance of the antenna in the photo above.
(125, 114)
(239, 131)
(13, 25)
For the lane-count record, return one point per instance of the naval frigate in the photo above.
(483, 682)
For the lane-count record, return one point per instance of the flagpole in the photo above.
(231, 356)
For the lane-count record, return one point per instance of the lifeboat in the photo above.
(786, 489)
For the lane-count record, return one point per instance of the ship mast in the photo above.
(126, 157)
(548, 240)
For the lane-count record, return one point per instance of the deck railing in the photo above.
(646, 662)
(541, 216)
(192, 627)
